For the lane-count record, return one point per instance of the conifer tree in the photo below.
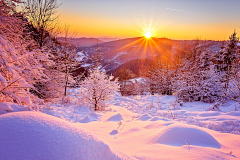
(228, 69)
(226, 59)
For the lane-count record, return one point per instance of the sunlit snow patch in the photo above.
(158, 125)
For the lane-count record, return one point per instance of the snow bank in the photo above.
(33, 135)
(11, 107)
(180, 134)
(209, 113)
(4, 107)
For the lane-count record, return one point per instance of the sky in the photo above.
(174, 19)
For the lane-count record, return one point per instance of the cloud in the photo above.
(175, 10)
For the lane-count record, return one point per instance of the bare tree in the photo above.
(68, 60)
(43, 16)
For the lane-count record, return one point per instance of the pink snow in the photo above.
(32, 135)
(145, 133)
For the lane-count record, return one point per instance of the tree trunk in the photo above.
(66, 78)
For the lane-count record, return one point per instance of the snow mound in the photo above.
(33, 135)
(85, 120)
(89, 118)
(116, 118)
(145, 117)
(178, 135)
(155, 119)
(93, 116)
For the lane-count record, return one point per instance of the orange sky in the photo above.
(214, 20)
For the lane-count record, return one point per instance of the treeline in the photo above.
(194, 73)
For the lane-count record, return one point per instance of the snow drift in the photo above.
(89, 118)
(33, 135)
(180, 134)
(11, 107)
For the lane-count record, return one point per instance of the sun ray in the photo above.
(147, 46)
(129, 45)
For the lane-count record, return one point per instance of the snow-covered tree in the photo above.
(227, 59)
(161, 81)
(15, 80)
(227, 67)
(160, 78)
(233, 91)
(124, 74)
(97, 88)
(18, 66)
(197, 80)
(24, 71)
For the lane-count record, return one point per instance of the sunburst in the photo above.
(148, 34)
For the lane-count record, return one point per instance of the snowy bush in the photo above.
(97, 88)
(214, 107)
(66, 101)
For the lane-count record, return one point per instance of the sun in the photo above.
(148, 34)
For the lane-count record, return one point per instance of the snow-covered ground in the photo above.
(141, 127)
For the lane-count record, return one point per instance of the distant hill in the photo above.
(136, 66)
(108, 39)
(118, 52)
(121, 51)
(81, 42)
